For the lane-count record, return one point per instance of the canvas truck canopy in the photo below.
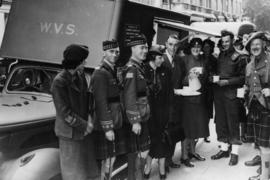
(217, 27)
(40, 30)
(188, 28)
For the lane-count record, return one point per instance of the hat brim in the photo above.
(257, 35)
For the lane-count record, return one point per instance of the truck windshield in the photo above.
(3, 75)
(32, 80)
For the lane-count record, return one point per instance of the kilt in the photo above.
(105, 149)
(137, 143)
(258, 124)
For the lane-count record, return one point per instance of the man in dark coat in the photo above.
(231, 71)
(73, 125)
(110, 133)
(174, 65)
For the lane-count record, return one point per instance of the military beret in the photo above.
(74, 54)
(110, 44)
(195, 41)
(137, 40)
(157, 50)
(256, 35)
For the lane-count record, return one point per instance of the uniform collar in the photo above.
(108, 64)
(229, 51)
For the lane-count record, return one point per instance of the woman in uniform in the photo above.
(194, 109)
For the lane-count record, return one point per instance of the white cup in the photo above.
(215, 79)
(200, 70)
(240, 92)
(185, 87)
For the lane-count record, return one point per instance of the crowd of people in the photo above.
(139, 111)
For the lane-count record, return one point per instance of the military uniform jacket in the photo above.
(258, 78)
(106, 91)
(135, 93)
(231, 66)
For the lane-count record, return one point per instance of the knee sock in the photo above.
(265, 155)
(224, 146)
(235, 149)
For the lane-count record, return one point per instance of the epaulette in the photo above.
(235, 55)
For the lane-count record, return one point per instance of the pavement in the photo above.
(211, 169)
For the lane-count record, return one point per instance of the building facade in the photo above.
(202, 10)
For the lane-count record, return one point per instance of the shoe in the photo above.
(196, 156)
(146, 176)
(259, 170)
(187, 163)
(233, 160)
(206, 140)
(174, 165)
(254, 177)
(254, 162)
(220, 154)
(162, 176)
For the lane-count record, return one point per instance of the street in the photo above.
(209, 169)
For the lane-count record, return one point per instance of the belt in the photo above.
(114, 99)
(141, 94)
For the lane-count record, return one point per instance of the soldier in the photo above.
(258, 89)
(110, 134)
(70, 96)
(136, 106)
(231, 72)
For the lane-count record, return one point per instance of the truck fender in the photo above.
(41, 164)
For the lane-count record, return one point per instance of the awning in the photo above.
(188, 28)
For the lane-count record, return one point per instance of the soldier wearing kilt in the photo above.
(258, 89)
(110, 133)
(136, 106)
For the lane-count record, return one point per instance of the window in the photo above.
(32, 80)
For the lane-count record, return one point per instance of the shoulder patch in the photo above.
(129, 75)
(235, 56)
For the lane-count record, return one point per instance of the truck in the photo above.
(35, 36)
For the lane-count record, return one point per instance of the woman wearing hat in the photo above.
(258, 90)
(211, 65)
(136, 106)
(72, 126)
(160, 97)
(194, 111)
